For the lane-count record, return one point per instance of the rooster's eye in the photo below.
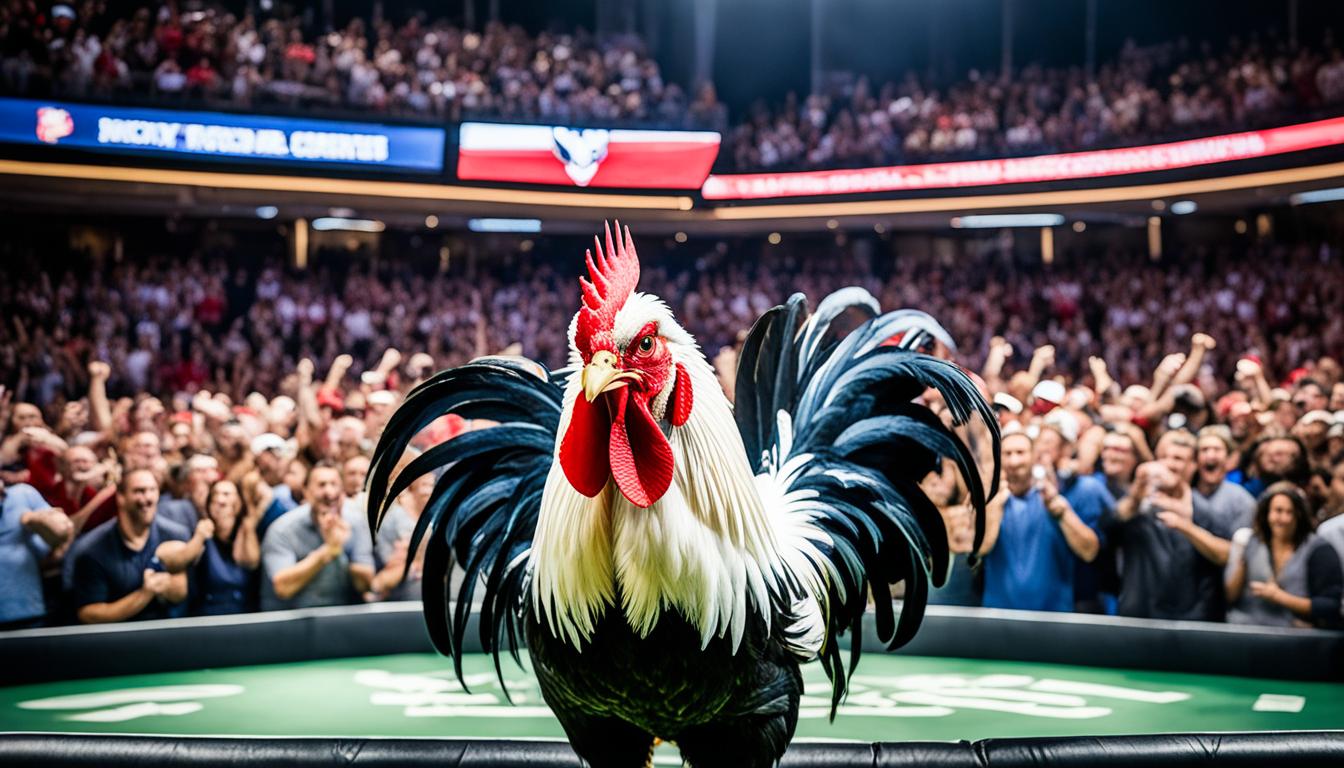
(646, 344)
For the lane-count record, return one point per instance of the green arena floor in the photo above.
(893, 698)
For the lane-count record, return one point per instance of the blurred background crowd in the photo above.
(422, 66)
(1173, 431)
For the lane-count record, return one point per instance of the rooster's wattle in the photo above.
(668, 559)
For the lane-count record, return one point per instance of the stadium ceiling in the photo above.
(114, 190)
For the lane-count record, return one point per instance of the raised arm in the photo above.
(1235, 580)
(100, 408)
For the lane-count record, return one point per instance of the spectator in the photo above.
(1173, 547)
(1227, 501)
(263, 483)
(1270, 577)
(964, 585)
(1086, 495)
(1033, 536)
(197, 474)
(1276, 458)
(1333, 505)
(1332, 532)
(119, 574)
(30, 529)
(353, 472)
(1119, 460)
(226, 576)
(296, 477)
(320, 552)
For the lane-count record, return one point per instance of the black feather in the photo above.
(850, 403)
(483, 510)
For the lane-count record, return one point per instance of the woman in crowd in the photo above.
(226, 576)
(1279, 573)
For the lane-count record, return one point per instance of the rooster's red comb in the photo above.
(612, 277)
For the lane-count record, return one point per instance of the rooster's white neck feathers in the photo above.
(706, 549)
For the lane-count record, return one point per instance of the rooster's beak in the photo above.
(601, 375)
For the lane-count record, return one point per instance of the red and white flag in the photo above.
(586, 157)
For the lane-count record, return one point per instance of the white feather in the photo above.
(714, 548)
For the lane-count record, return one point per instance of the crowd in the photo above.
(433, 69)
(190, 435)
(418, 68)
(1149, 93)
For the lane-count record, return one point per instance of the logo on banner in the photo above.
(54, 124)
(581, 151)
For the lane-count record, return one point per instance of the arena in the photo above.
(704, 382)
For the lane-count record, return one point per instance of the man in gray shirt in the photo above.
(1232, 505)
(319, 553)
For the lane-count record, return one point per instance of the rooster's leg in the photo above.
(607, 742)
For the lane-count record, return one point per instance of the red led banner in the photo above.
(1019, 170)
(624, 159)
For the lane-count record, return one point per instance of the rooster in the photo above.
(669, 560)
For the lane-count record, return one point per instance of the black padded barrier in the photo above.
(1267, 750)
(71, 653)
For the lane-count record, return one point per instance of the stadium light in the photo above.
(335, 224)
(1331, 195)
(267, 212)
(1002, 220)
(1184, 207)
(504, 225)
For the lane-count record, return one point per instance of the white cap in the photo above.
(1063, 422)
(1008, 402)
(1138, 391)
(1050, 391)
(381, 397)
(268, 442)
(1322, 417)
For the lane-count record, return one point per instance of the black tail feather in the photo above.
(851, 404)
(483, 511)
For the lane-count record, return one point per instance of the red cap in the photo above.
(1225, 403)
(331, 399)
(183, 416)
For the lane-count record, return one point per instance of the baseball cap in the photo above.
(1063, 422)
(267, 442)
(1046, 396)
(202, 461)
(381, 397)
(331, 399)
(1008, 403)
(1319, 417)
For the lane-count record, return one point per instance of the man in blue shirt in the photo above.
(29, 529)
(1055, 448)
(1033, 536)
(133, 566)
